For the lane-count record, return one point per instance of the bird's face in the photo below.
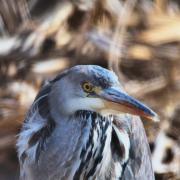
(96, 89)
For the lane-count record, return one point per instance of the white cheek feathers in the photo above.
(75, 104)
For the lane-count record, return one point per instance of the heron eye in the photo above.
(87, 87)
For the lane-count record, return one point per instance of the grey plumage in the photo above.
(66, 135)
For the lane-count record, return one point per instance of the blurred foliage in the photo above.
(138, 39)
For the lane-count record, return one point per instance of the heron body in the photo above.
(74, 131)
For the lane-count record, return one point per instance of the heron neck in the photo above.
(95, 154)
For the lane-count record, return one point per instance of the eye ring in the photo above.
(87, 87)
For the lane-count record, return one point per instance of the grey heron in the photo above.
(80, 127)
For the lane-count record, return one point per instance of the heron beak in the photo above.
(119, 101)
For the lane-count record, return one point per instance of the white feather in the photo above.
(124, 139)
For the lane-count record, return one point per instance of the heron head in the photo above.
(90, 87)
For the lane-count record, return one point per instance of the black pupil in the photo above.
(87, 87)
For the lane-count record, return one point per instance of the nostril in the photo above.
(169, 155)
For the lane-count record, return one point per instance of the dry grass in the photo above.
(139, 40)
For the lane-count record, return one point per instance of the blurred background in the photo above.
(138, 39)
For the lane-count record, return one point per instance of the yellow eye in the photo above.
(87, 87)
